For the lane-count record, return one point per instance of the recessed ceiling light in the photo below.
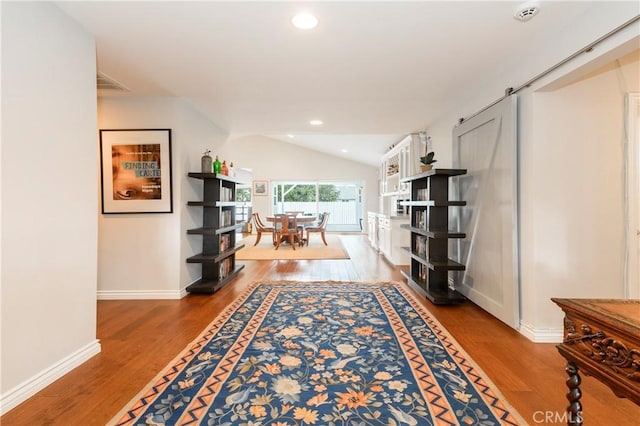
(316, 122)
(304, 21)
(291, 136)
(344, 150)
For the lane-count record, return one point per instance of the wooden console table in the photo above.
(601, 338)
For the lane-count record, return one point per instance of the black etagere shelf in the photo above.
(430, 234)
(218, 233)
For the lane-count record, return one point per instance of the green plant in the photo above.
(428, 159)
(243, 195)
(428, 156)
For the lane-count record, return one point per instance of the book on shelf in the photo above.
(225, 267)
(423, 272)
(421, 246)
(225, 242)
(226, 194)
(421, 218)
(226, 218)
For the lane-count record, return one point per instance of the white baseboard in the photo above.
(140, 294)
(542, 335)
(536, 335)
(30, 387)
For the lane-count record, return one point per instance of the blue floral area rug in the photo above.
(321, 353)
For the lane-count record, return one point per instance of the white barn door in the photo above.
(486, 145)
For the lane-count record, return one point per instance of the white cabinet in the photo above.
(392, 239)
(372, 228)
(384, 236)
(400, 240)
(391, 172)
(400, 162)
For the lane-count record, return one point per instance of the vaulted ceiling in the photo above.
(371, 71)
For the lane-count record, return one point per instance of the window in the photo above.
(342, 200)
(243, 205)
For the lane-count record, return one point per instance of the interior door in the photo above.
(486, 145)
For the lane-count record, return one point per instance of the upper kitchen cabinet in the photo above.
(398, 163)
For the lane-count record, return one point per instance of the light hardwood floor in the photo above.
(140, 337)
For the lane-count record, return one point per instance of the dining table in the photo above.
(300, 219)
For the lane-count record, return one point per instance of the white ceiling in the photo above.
(372, 71)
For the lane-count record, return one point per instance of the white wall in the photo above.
(571, 242)
(273, 160)
(572, 196)
(49, 198)
(143, 255)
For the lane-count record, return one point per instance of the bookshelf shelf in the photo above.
(218, 233)
(430, 233)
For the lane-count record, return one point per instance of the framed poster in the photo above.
(260, 187)
(136, 171)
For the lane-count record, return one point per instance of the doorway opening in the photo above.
(342, 200)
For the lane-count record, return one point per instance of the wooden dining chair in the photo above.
(297, 214)
(287, 229)
(320, 227)
(261, 227)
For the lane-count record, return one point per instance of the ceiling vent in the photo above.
(526, 11)
(104, 82)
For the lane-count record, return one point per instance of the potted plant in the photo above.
(427, 161)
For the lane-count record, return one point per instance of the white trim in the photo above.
(140, 294)
(542, 335)
(632, 280)
(30, 387)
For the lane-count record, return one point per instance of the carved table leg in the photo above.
(575, 407)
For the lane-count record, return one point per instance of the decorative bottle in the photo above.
(206, 162)
(224, 169)
(232, 170)
(217, 166)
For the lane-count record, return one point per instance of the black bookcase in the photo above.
(218, 233)
(429, 227)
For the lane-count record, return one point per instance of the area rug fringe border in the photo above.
(173, 367)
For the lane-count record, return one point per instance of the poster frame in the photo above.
(130, 200)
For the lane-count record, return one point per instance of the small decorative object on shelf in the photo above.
(206, 162)
(232, 170)
(429, 259)
(218, 233)
(224, 169)
(393, 165)
(217, 166)
(426, 161)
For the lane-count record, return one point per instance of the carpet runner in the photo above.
(321, 353)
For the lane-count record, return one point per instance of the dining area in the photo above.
(291, 228)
